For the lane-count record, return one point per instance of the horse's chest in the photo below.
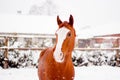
(56, 71)
(59, 72)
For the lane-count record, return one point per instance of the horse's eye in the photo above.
(69, 34)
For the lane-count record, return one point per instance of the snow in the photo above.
(90, 17)
(97, 73)
(88, 23)
(17, 74)
(81, 73)
(28, 24)
(48, 25)
(111, 28)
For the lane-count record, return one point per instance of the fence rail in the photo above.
(41, 48)
(9, 48)
(82, 49)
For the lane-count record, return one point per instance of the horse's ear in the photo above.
(58, 20)
(71, 20)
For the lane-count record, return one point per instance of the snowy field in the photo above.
(81, 73)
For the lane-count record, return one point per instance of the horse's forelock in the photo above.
(64, 24)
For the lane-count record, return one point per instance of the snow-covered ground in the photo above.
(81, 73)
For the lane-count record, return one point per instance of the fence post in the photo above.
(117, 53)
(5, 63)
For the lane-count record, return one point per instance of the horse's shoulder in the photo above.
(45, 51)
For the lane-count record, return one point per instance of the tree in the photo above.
(47, 8)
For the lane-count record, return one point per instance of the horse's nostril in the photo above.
(61, 54)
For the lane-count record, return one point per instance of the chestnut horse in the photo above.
(56, 63)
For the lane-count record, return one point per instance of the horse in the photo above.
(55, 63)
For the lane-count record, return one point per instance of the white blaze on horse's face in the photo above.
(58, 54)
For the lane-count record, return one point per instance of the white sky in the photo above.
(87, 13)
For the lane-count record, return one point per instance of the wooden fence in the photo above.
(7, 48)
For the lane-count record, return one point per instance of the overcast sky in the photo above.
(87, 13)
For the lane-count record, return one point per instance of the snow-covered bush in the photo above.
(18, 59)
(98, 58)
(23, 58)
(29, 58)
(1, 58)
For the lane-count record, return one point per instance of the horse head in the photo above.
(65, 39)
